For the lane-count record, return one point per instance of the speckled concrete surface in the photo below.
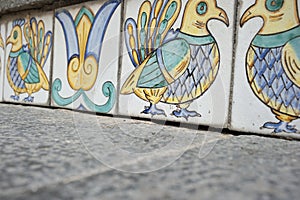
(58, 154)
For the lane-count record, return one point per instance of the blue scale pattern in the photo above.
(14, 74)
(267, 78)
(196, 75)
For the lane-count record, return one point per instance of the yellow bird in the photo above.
(273, 60)
(174, 67)
(25, 62)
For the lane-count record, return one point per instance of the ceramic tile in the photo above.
(2, 57)
(29, 41)
(186, 75)
(86, 52)
(266, 96)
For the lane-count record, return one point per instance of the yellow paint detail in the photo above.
(283, 113)
(130, 84)
(158, 7)
(196, 24)
(1, 42)
(82, 75)
(282, 20)
(150, 95)
(82, 72)
(144, 9)
(132, 42)
(46, 50)
(178, 70)
(172, 20)
(291, 64)
(135, 56)
(152, 28)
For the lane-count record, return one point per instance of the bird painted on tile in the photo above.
(172, 66)
(25, 62)
(273, 60)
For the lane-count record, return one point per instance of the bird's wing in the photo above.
(148, 33)
(161, 68)
(29, 71)
(291, 60)
(38, 42)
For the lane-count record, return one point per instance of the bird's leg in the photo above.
(283, 124)
(15, 97)
(29, 98)
(154, 96)
(280, 127)
(153, 110)
(183, 112)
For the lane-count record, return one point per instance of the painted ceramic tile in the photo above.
(86, 55)
(267, 87)
(28, 41)
(177, 60)
(2, 57)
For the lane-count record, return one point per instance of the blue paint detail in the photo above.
(49, 33)
(93, 48)
(15, 75)
(272, 80)
(98, 30)
(131, 22)
(195, 75)
(71, 38)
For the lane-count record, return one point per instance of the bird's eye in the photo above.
(15, 34)
(202, 8)
(274, 5)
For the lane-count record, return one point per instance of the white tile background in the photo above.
(108, 64)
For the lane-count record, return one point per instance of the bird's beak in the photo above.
(8, 40)
(248, 14)
(222, 16)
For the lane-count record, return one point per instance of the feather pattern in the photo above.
(153, 24)
(38, 42)
(291, 60)
(270, 81)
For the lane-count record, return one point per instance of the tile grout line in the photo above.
(120, 59)
(235, 39)
(51, 60)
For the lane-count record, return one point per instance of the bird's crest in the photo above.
(19, 22)
(148, 32)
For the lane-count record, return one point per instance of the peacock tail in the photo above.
(39, 41)
(152, 26)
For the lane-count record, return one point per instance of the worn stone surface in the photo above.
(51, 154)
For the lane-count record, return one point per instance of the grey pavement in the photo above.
(60, 154)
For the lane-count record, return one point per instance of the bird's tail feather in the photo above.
(147, 33)
(38, 41)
